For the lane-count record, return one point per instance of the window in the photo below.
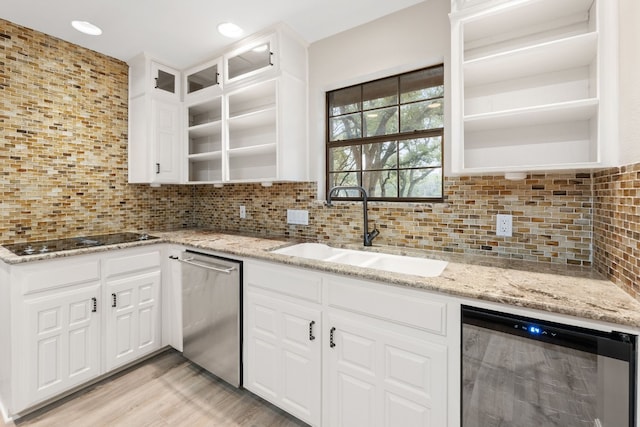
(387, 136)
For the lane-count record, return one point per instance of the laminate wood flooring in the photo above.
(166, 390)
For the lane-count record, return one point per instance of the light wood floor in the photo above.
(166, 390)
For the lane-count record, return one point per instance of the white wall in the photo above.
(629, 108)
(412, 38)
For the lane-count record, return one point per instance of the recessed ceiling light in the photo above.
(229, 29)
(86, 27)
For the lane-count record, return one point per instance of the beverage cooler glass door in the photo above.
(523, 372)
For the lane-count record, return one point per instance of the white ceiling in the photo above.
(183, 32)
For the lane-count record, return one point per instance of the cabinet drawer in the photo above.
(285, 280)
(55, 274)
(402, 306)
(133, 262)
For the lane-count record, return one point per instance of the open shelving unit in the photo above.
(252, 128)
(527, 86)
(205, 141)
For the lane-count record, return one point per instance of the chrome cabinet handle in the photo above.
(208, 267)
(331, 341)
(311, 337)
(114, 301)
(94, 301)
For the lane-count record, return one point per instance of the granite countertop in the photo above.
(574, 291)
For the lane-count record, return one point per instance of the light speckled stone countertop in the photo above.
(558, 289)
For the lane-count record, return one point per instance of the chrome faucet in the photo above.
(367, 237)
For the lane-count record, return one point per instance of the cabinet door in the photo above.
(133, 320)
(62, 338)
(377, 377)
(165, 81)
(166, 140)
(284, 354)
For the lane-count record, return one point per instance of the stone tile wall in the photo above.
(63, 145)
(552, 216)
(617, 226)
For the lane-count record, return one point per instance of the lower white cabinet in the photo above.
(62, 341)
(132, 320)
(61, 329)
(282, 339)
(378, 377)
(335, 351)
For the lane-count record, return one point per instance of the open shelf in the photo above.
(203, 170)
(253, 150)
(205, 156)
(258, 97)
(528, 147)
(252, 166)
(206, 112)
(527, 24)
(572, 52)
(574, 111)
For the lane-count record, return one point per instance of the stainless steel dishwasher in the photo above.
(212, 314)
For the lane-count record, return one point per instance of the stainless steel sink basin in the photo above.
(395, 263)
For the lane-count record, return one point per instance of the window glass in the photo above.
(381, 122)
(346, 127)
(380, 93)
(387, 135)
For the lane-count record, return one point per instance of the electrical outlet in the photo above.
(504, 225)
(243, 212)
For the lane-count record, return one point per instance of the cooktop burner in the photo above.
(46, 246)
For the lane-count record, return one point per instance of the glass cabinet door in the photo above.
(249, 61)
(165, 79)
(203, 79)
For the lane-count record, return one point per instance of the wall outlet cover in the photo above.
(243, 212)
(298, 217)
(504, 225)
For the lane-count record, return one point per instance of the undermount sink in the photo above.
(396, 263)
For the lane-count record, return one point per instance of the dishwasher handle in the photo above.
(190, 261)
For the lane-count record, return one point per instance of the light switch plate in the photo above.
(298, 217)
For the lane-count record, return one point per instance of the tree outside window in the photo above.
(387, 136)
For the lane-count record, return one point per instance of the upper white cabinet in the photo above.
(203, 80)
(256, 129)
(154, 122)
(250, 59)
(533, 85)
(242, 117)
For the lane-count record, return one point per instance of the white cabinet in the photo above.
(132, 292)
(379, 377)
(61, 340)
(533, 85)
(253, 129)
(203, 81)
(283, 339)
(154, 148)
(133, 327)
(59, 326)
(382, 356)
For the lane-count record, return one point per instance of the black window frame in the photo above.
(397, 137)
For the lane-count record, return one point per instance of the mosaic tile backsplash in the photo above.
(616, 220)
(63, 159)
(551, 216)
(63, 145)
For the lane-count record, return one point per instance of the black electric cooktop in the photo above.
(47, 246)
